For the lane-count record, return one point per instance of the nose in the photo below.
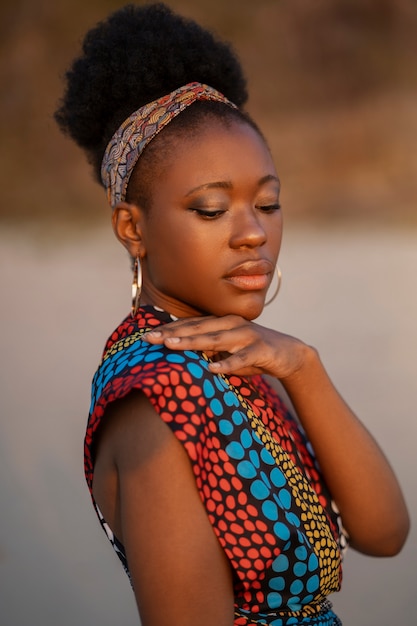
(247, 230)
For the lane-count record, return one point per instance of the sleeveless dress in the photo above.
(254, 469)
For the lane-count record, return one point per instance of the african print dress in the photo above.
(255, 472)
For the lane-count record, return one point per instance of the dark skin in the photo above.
(215, 209)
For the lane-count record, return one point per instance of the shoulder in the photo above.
(132, 363)
(170, 381)
(129, 362)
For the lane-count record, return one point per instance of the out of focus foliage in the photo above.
(333, 83)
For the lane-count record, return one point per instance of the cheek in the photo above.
(176, 251)
(275, 234)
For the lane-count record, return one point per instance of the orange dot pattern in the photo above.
(253, 467)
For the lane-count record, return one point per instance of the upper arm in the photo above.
(179, 571)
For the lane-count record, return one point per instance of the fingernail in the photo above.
(215, 366)
(153, 334)
(173, 339)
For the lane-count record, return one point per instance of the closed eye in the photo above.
(269, 208)
(208, 215)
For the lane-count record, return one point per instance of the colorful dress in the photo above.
(254, 469)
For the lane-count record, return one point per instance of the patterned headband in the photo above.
(132, 137)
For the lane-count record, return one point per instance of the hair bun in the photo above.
(136, 55)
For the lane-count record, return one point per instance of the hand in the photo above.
(376, 518)
(235, 345)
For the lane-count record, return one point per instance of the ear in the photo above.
(127, 225)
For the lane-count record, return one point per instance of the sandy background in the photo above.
(334, 87)
(350, 292)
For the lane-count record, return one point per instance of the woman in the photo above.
(206, 485)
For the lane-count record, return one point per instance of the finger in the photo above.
(229, 369)
(243, 363)
(192, 326)
(214, 342)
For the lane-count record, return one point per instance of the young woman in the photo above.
(224, 507)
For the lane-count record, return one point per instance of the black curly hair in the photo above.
(138, 54)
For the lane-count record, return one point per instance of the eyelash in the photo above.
(210, 215)
(270, 208)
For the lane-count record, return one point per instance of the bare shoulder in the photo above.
(160, 519)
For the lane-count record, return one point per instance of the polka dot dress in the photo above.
(254, 470)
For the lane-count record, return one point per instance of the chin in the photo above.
(249, 309)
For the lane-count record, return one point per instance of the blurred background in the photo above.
(333, 85)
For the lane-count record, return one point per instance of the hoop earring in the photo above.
(277, 288)
(136, 286)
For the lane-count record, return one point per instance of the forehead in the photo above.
(233, 152)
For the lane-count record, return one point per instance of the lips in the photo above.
(251, 268)
(251, 275)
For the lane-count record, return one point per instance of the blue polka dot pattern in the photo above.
(259, 482)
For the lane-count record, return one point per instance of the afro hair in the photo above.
(138, 54)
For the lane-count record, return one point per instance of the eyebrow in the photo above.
(226, 184)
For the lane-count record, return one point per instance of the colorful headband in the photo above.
(132, 137)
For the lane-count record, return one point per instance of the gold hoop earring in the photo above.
(277, 288)
(136, 286)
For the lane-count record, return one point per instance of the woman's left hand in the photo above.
(234, 344)
(356, 471)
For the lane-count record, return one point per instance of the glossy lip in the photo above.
(251, 275)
